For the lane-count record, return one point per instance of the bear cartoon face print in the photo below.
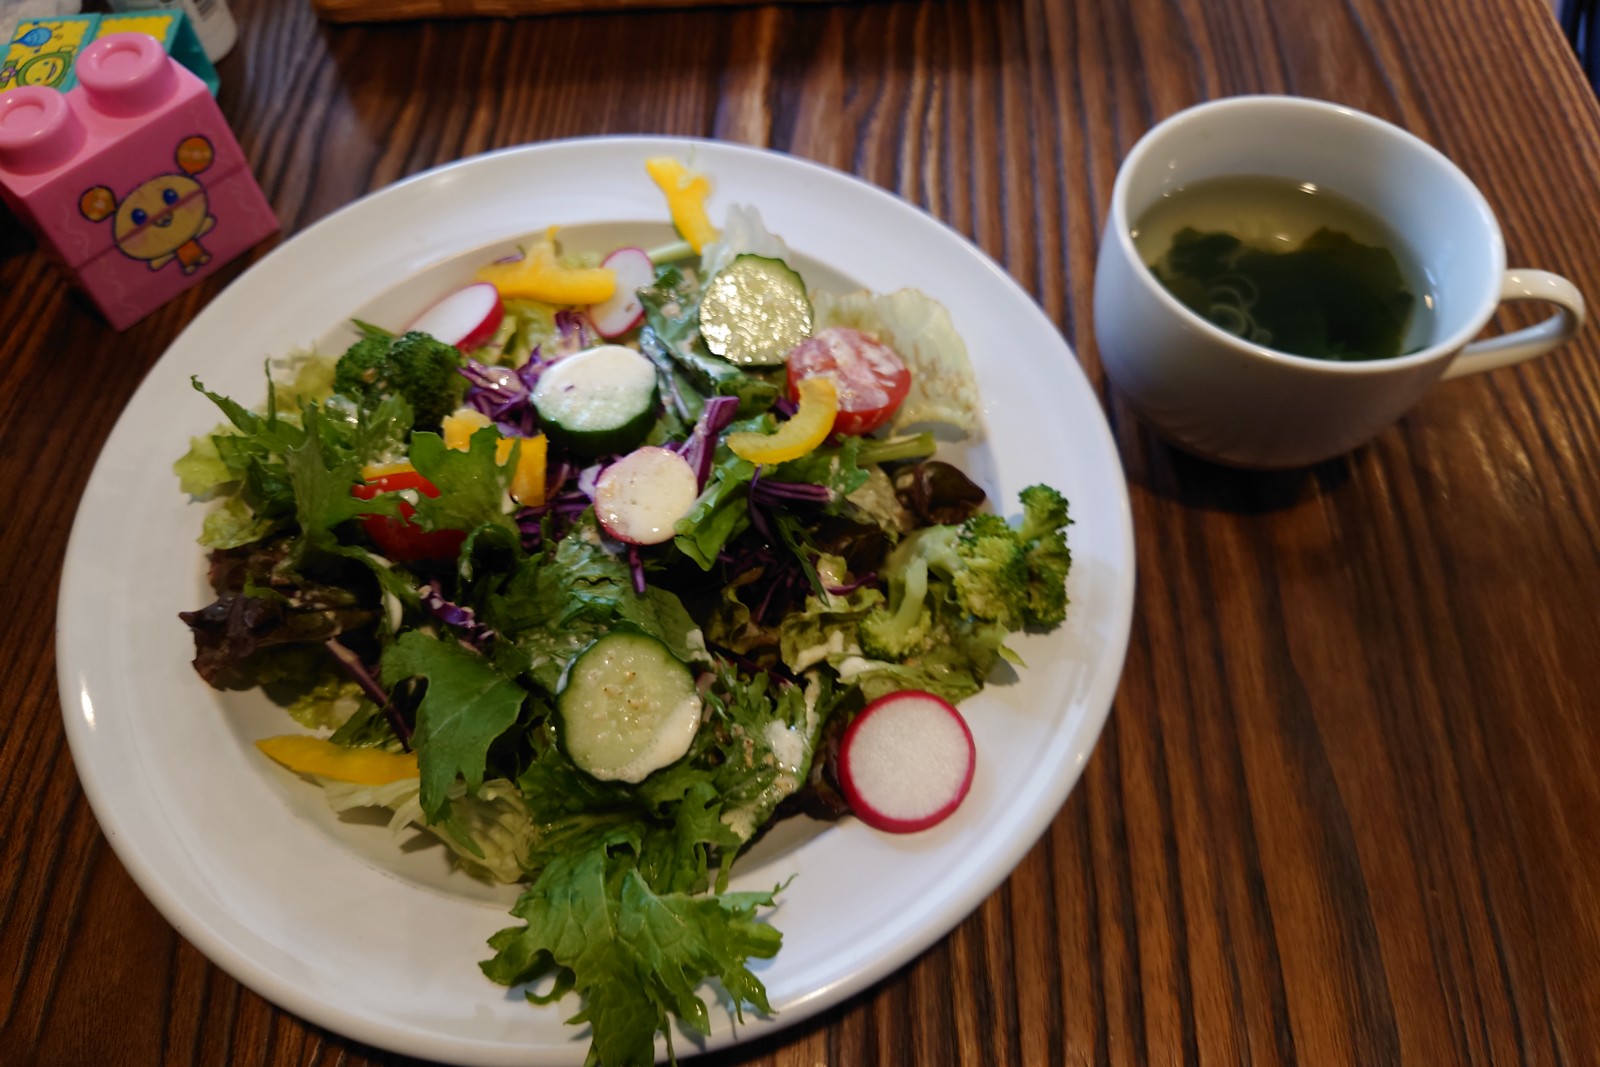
(163, 219)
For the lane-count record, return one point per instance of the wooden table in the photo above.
(1346, 806)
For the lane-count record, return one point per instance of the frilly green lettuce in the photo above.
(944, 388)
(201, 470)
(489, 830)
(742, 234)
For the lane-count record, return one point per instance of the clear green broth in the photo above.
(1289, 266)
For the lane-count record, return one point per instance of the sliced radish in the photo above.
(641, 496)
(906, 762)
(635, 270)
(466, 318)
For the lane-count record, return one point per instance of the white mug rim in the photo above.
(1441, 350)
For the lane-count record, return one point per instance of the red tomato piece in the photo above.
(399, 538)
(870, 378)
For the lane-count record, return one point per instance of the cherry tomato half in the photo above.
(870, 378)
(399, 538)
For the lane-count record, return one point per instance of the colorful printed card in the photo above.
(43, 50)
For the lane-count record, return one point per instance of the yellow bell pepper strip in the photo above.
(527, 481)
(810, 426)
(304, 754)
(686, 194)
(458, 427)
(539, 275)
(373, 471)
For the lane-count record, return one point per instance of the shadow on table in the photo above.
(15, 240)
(1174, 474)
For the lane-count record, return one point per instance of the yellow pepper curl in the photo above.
(810, 426)
(540, 276)
(686, 194)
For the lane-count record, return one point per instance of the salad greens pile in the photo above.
(382, 573)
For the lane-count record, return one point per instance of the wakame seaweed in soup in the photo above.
(1288, 266)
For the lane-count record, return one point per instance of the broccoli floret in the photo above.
(982, 572)
(901, 629)
(991, 576)
(415, 366)
(1043, 531)
(1044, 512)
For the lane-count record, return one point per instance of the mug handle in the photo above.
(1533, 340)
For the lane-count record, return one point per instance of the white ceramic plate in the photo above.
(327, 917)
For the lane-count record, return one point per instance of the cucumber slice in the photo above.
(598, 401)
(627, 706)
(754, 311)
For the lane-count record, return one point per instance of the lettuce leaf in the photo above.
(720, 513)
(528, 325)
(303, 377)
(743, 233)
(490, 831)
(467, 705)
(636, 955)
(201, 471)
(281, 467)
(555, 604)
(471, 484)
(328, 704)
(320, 480)
(838, 469)
(233, 523)
(616, 911)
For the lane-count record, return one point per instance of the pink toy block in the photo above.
(132, 178)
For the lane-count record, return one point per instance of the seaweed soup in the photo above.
(1289, 266)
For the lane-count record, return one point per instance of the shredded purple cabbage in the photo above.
(701, 446)
(869, 578)
(562, 509)
(636, 567)
(561, 504)
(574, 332)
(463, 618)
(767, 492)
(784, 408)
(764, 494)
(505, 395)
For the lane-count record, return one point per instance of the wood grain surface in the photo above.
(1346, 806)
(401, 10)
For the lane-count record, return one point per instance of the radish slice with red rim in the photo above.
(906, 762)
(622, 312)
(640, 497)
(467, 318)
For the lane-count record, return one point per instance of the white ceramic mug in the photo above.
(1231, 401)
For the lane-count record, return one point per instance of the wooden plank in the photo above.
(401, 10)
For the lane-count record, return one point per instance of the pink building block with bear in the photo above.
(133, 177)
